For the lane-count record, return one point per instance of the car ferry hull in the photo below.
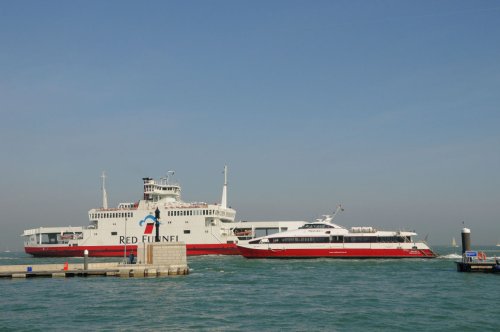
(160, 216)
(120, 251)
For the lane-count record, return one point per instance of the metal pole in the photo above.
(157, 224)
(125, 247)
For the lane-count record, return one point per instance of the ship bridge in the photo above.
(154, 191)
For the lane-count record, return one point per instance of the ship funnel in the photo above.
(465, 240)
(223, 201)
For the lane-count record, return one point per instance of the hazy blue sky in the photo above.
(391, 108)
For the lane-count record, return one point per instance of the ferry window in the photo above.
(336, 239)
(266, 231)
(114, 233)
(360, 239)
(50, 238)
(309, 239)
(187, 231)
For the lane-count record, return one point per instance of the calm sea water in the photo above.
(230, 293)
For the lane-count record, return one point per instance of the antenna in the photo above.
(169, 174)
(339, 209)
(223, 202)
(104, 194)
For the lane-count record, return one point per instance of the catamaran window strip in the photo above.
(337, 239)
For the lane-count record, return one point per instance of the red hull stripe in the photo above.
(118, 251)
(336, 253)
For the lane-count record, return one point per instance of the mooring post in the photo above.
(85, 260)
(465, 240)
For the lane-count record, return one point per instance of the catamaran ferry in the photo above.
(323, 238)
(160, 216)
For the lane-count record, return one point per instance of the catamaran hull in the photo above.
(120, 251)
(335, 253)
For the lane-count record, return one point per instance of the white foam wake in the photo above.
(451, 256)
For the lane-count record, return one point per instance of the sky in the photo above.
(391, 108)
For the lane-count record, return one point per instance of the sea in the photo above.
(231, 293)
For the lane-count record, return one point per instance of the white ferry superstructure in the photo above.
(205, 228)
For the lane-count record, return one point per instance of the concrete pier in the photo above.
(475, 261)
(154, 260)
(492, 267)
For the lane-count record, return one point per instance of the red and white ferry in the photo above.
(205, 228)
(323, 238)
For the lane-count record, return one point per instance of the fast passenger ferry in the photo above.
(323, 238)
(160, 216)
